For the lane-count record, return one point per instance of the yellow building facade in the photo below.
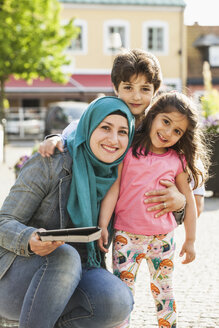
(105, 26)
(156, 26)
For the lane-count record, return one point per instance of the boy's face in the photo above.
(137, 93)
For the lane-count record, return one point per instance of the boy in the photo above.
(136, 77)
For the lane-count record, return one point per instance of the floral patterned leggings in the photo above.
(158, 250)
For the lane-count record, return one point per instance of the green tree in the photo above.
(32, 41)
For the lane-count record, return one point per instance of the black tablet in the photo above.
(79, 235)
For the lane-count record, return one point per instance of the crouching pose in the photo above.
(55, 284)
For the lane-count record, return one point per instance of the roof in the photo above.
(175, 3)
(207, 40)
(76, 83)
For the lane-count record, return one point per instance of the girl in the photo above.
(166, 146)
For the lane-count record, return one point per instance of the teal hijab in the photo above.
(91, 178)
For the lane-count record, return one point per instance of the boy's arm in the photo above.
(47, 147)
(199, 192)
(107, 207)
(200, 202)
(190, 218)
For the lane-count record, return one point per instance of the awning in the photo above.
(207, 40)
(76, 83)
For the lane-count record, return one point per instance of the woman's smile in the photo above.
(109, 148)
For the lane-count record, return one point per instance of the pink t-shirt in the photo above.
(140, 175)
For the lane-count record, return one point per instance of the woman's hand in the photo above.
(42, 248)
(103, 241)
(47, 147)
(188, 249)
(169, 199)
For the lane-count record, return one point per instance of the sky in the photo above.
(205, 12)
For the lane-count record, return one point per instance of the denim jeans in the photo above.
(54, 291)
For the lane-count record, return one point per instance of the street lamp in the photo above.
(115, 42)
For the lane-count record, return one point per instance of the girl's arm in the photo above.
(107, 207)
(190, 218)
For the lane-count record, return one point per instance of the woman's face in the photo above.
(109, 140)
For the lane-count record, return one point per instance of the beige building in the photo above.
(106, 26)
(202, 45)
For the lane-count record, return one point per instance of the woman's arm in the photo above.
(107, 207)
(170, 199)
(190, 218)
(25, 198)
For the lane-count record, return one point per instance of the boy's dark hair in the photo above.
(135, 62)
(192, 144)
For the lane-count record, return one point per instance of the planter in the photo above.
(213, 183)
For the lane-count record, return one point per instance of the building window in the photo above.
(116, 35)
(214, 56)
(79, 45)
(155, 37)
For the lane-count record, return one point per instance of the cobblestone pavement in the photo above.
(196, 284)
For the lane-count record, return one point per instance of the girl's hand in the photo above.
(47, 147)
(42, 248)
(189, 250)
(103, 241)
(169, 199)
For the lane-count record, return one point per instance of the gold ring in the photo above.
(164, 205)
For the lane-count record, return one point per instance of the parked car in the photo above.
(60, 114)
(26, 127)
(28, 121)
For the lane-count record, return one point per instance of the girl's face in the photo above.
(166, 130)
(110, 139)
(137, 93)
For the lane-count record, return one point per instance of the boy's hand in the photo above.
(47, 147)
(189, 250)
(103, 241)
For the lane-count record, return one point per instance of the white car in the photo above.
(24, 127)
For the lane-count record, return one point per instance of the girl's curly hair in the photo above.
(192, 144)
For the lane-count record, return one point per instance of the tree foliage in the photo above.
(33, 41)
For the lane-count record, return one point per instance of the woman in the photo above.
(51, 284)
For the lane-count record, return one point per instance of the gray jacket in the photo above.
(38, 199)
